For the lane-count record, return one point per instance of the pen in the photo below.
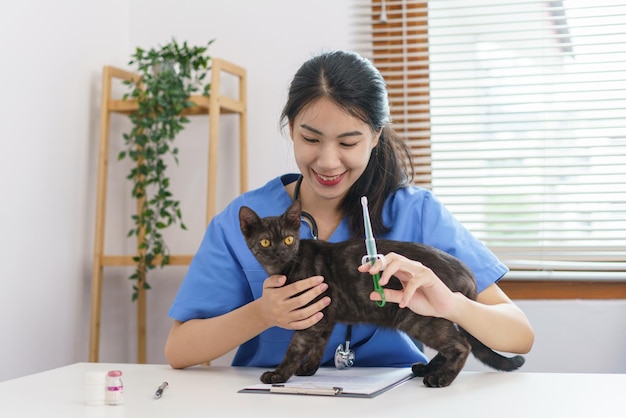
(160, 390)
(306, 390)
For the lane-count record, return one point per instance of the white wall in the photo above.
(52, 54)
(583, 336)
(50, 78)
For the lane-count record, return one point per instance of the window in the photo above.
(517, 112)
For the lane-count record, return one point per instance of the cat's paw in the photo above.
(421, 369)
(435, 374)
(306, 371)
(272, 377)
(437, 380)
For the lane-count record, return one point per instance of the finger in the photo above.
(303, 315)
(274, 281)
(364, 268)
(393, 266)
(305, 284)
(377, 267)
(410, 288)
(304, 298)
(392, 269)
(391, 295)
(307, 322)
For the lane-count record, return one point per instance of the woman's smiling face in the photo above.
(331, 148)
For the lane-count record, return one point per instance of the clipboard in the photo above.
(357, 382)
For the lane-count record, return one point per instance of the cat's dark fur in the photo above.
(349, 291)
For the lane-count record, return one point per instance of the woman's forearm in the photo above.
(289, 306)
(495, 321)
(199, 341)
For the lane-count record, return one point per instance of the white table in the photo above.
(213, 391)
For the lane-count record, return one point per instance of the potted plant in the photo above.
(168, 76)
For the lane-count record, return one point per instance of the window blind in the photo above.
(525, 126)
(394, 36)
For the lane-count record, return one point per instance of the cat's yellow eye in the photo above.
(265, 243)
(288, 240)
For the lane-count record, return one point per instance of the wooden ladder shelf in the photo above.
(214, 105)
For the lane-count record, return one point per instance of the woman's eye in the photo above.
(288, 240)
(310, 140)
(347, 145)
(265, 243)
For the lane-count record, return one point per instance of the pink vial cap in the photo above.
(115, 373)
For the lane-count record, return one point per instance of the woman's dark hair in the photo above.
(355, 85)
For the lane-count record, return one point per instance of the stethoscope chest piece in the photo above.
(344, 357)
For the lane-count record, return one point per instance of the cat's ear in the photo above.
(292, 214)
(247, 220)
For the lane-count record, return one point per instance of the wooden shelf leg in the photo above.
(243, 138)
(142, 273)
(94, 330)
(214, 139)
(141, 322)
(101, 189)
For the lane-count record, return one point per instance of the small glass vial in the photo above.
(114, 388)
(95, 388)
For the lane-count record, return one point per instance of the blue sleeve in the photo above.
(417, 215)
(215, 282)
(444, 231)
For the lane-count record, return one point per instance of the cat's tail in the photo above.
(491, 358)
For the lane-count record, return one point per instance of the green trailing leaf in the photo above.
(169, 75)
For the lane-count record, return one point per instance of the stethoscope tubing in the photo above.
(344, 355)
(306, 216)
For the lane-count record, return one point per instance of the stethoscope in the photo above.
(344, 355)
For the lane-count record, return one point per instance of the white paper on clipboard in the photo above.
(358, 382)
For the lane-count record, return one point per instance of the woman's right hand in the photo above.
(286, 306)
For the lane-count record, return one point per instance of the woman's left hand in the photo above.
(423, 292)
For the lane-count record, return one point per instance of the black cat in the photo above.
(275, 243)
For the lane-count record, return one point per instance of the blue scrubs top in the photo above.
(224, 275)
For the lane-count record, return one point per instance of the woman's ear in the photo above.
(377, 137)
